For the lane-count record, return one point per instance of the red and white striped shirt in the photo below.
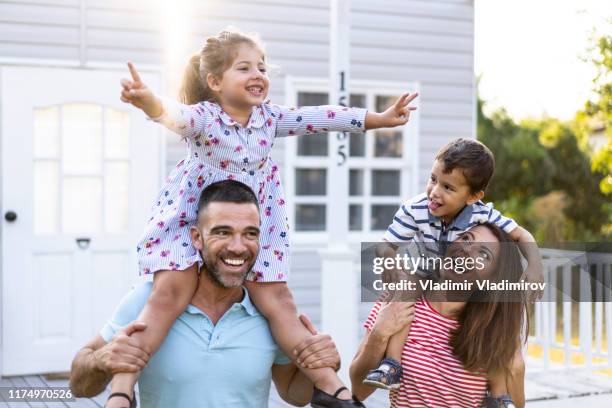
(432, 376)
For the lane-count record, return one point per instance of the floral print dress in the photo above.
(219, 148)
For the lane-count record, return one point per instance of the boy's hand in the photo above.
(396, 115)
(138, 94)
(387, 250)
(534, 273)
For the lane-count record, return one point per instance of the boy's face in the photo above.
(448, 193)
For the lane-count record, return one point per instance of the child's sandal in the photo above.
(504, 401)
(387, 376)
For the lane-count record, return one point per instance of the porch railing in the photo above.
(579, 288)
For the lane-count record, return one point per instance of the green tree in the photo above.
(598, 112)
(543, 177)
(547, 178)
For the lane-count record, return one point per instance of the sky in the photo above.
(528, 54)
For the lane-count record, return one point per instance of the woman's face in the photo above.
(478, 247)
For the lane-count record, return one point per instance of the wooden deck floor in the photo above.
(542, 389)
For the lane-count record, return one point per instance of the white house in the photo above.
(79, 168)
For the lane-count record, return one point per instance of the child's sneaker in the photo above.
(387, 376)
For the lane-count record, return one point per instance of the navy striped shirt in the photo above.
(414, 223)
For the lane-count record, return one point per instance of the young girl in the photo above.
(230, 129)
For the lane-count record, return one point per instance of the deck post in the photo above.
(339, 280)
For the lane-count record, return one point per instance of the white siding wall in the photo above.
(425, 41)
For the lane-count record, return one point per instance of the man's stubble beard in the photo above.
(213, 272)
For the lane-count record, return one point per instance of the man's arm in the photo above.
(292, 386)
(315, 352)
(94, 365)
(87, 379)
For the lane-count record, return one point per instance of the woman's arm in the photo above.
(371, 351)
(390, 319)
(515, 382)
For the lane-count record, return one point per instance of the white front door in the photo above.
(80, 170)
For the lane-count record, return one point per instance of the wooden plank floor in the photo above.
(592, 389)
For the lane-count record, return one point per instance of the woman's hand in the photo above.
(393, 317)
(139, 95)
(396, 115)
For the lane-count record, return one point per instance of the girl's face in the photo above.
(245, 83)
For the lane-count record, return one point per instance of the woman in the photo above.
(453, 348)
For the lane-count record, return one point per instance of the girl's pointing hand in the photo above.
(138, 94)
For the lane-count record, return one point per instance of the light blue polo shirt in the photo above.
(204, 365)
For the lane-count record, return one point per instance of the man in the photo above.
(219, 352)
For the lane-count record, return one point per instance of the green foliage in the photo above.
(597, 113)
(547, 176)
(543, 179)
(602, 163)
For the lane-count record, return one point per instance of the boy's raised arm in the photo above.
(529, 248)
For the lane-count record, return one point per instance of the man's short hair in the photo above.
(227, 191)
(474, 159)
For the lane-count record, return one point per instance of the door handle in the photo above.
(10, 216)
(83, 243)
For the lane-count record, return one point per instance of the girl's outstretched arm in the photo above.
(330, 118)
(397, 114)
(188, 121)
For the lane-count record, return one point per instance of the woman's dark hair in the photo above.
(227, 191)
(490, 329)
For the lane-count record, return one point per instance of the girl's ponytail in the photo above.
(194, 89)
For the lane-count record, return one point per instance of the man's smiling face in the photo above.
(227, 234)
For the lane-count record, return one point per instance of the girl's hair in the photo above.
(490, 329)
(216, 56)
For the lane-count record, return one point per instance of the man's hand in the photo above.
(317, 351)
(123, 354)
(393, 317)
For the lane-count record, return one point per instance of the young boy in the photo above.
(451, 205)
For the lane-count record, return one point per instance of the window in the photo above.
(81, 169)
(381, 166)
